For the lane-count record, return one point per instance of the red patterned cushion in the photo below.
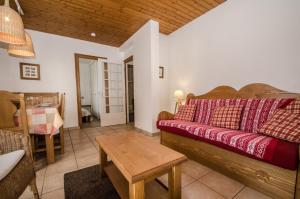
(205, 107)
(283, 125)
(227, 117)
(294, 107)
(185, 113)
(272, 150)
(258, 111)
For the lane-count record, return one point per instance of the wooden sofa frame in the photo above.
(269, 179)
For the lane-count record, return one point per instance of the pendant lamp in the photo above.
(11, 25)
(23, 50)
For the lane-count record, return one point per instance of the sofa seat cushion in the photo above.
(9, 161)
(268, 149)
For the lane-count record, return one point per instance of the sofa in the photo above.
(266, 163)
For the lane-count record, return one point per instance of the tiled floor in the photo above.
(81, 151)
(94, 123)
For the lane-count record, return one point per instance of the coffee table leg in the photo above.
(49, 149)
(137, 190)
(103, 161)
(175, 182)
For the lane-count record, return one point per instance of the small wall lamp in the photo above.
(178, 94)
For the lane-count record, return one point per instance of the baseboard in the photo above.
(72, 128)
(146, 132)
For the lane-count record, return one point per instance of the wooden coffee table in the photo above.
(136, 159)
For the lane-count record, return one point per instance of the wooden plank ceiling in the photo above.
(113, 21)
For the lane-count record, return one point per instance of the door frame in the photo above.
(128, 59)
(77, 56)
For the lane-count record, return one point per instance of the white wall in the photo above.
(85, 82)
(55, 54)
(164, 82)
(144, 46)
(237, 43)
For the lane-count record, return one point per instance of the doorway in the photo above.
(88, 90)
(129, 89)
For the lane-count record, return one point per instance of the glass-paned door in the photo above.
(113, 110)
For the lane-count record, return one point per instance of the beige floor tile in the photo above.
(40, 177)
(194, 169)
(61, 166)
(153, 190)
(83, 146)
(68, 154)
(248, 193)
(53, 182)
(100, 129)
(94, 134)
(57, 194)
(74, 131)
(198, 190)
(89, 130)
(107, 132)
(87, 161)
(78, 141)
(78, 135)
(155, 138)
(185, 179)
(223, 185)
(27, 194)
(86, 152)
(67, 142)
(68, 148)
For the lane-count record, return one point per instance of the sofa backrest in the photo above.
(255, 113)
(258, 111)
(205, 107)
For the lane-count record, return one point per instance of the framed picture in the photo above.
(30, 71)
(161, 72)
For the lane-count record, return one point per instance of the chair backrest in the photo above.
(61, 107)
(33, 99)
(9, 104)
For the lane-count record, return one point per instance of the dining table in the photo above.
(45, 120)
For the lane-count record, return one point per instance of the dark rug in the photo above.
(87, 183)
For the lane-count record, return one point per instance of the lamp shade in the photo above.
(178, 94)
(25, 50)
(11, 26)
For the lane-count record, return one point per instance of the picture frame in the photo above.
(30, 71)
(161, 72)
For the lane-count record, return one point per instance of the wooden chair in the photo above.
(39, 142)
(33, 99)
(61, 110)
(14, 138)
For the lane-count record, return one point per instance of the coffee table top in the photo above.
(138, 156)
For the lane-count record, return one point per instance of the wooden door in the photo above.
(112, 111)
